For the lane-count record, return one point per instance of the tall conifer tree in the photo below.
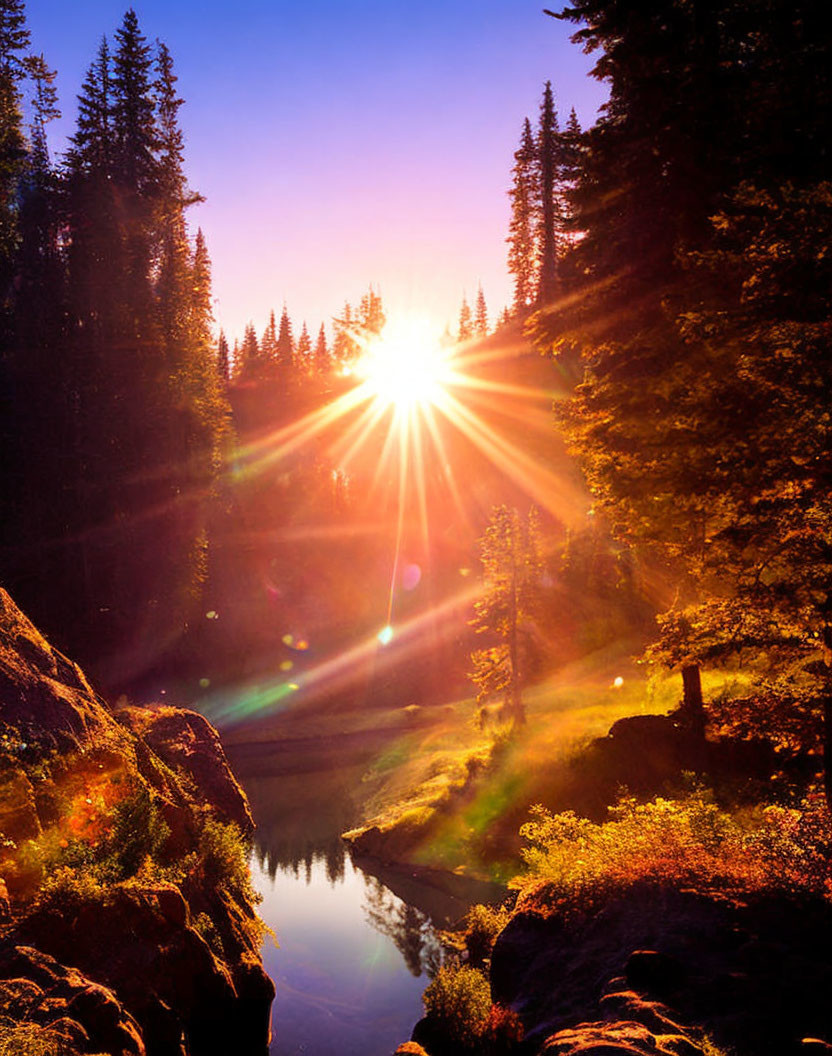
(523, 260)
(303, 352)
(223, 358)
(14, 40)
(548, 163)
(285, 347)
(465, 330)
(480, 315)
(323, 359)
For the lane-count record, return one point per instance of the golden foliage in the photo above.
(686, 842)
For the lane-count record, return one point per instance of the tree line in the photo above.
(115, 416)
(691, 293)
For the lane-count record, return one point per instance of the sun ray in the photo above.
(446, 467)
(545, 487)
(421, 484)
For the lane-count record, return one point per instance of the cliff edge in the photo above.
(127, 916)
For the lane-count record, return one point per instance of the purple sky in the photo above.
(343, 144)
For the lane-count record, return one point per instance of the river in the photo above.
(357, 943)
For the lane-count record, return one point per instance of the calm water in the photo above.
(350, 970)
(356, 949)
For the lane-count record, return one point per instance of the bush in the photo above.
(223, 852)
(459, 1002)
(688, 841)
(137, 831)
(205, 927)
(480, 928)
(67, 888)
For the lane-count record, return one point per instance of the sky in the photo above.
(343, 144)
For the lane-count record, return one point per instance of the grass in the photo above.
(562, 713)
(470, 790)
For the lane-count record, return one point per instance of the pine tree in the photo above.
(91, 145)
(465, 331)
(14, 40)
(303, 352)
(322, 358)
(510, 551)
(268, 345)
(247, 357)
(135, 168)
(523, 261)
(355, 326)
(703, 195)
(344, 344)
(285, 347)
(200, 388)
(96, 263)
(39, 265)
(174, 196)
(571, 145)
(223, 359)
(480, 315)
(548, 166)
(371, 316)
(135, 165)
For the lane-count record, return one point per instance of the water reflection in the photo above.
(411, 930)
(357, 940)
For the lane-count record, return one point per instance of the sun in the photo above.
(406, 366)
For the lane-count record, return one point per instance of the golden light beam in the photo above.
(540, 483)
(284, 441)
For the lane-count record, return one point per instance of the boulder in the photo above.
(189, 744)
(46, 703)
(38, 990)
(616, 1039)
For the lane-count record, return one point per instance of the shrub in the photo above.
(688, 841)
(480, 928)
(223, 852)
(459, 1002)
(137, 831)
(67, 888)
(205, 927)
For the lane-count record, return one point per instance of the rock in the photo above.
(410, 1048)
(35, 988)
(613, 1039)
(736, 984)
(654, 973)
(136, 941)
(142, 973)
(140, 943)
(654, 1016)
(44, 698)
(186, 741)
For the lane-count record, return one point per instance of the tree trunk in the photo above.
(827, 746)
(517, 711)
(692, 711)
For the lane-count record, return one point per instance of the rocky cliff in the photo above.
(127, 919)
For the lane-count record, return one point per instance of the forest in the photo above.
(535, 612)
